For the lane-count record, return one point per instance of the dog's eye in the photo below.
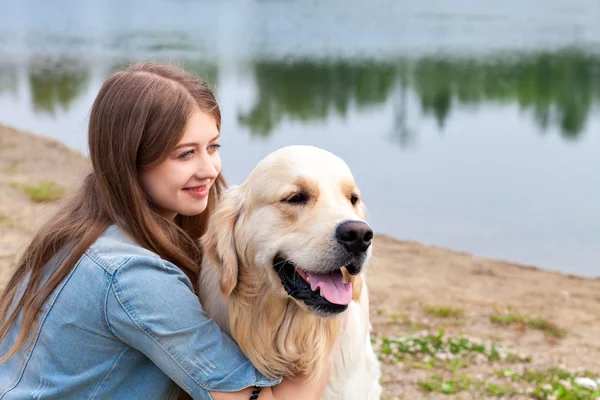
(354, 199)
(297, 198)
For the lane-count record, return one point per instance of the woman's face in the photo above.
(180, 184)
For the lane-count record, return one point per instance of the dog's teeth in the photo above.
(320, 292)
(345, 276)
(307, 278)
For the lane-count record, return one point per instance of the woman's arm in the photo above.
(299, 388)
(150, 306)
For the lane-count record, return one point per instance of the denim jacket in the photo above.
(124, 324)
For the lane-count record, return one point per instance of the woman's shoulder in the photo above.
(114, 248)
(121, 257)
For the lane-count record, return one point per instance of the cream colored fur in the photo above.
(241, 291)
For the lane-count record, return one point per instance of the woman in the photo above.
(102, 303)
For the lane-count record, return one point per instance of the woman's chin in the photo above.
(193, 210)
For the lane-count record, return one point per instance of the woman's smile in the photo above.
(197, 191)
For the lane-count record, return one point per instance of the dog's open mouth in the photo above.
(331, 286)
(326, 294)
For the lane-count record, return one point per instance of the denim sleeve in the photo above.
(151, 307)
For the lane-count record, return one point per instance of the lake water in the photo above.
(470, 125)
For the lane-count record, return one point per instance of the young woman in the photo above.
(102, 303)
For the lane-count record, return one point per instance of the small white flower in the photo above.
(586, 383)
(546, 386)
(565, 384)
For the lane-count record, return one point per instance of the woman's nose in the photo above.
(206, 168)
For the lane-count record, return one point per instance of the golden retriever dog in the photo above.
(283, 271)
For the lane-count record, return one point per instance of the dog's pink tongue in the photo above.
(332, 286)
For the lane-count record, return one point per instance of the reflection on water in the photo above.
(56, 84)
(557, 88)
(8, 79)
(208, 71)
(307, 91)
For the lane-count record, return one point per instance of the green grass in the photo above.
(443, 311)
(537, 323)
(454, 366)
(451, 386)
(554, 383)
(428, 351)
(492, 389)
(9, 222)
(5, 219)
(43, 192)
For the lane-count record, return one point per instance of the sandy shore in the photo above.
(543, 320)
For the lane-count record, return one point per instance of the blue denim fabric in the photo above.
(124, 324)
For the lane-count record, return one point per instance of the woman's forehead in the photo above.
(200, 128)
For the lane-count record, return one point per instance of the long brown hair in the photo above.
(137, 118)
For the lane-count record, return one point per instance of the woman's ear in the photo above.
(218, 242)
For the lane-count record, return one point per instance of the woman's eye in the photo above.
(187, 154)
(214, 147)
(297, 198)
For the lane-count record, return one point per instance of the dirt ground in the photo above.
(545, 319)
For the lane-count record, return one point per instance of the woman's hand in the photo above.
(300, 387)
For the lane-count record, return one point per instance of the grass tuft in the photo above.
(443, 311)
(451, 386)
(512, 318)
(43, 192)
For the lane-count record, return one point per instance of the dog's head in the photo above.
(297, 226)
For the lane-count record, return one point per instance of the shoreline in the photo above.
(551, 317)
(55, 143)
(500, 260)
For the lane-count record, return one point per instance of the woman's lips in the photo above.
(197, 191)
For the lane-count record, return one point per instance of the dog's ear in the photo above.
(218, 242)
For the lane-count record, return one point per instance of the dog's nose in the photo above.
(354, 235)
